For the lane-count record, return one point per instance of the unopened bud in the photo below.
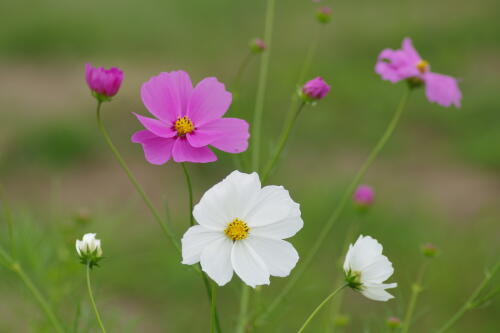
(429, 250)
(324, 14)
(393, 322)
(257, 45)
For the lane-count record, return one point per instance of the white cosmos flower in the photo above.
(89, 245)
(366, 269)
(241, 229)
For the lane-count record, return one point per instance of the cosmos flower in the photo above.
(104, 83)
(315, 89)
(364, 196)
(366, 269)
(89, 249)
(241, 229)
(406, 64)
(188, 120)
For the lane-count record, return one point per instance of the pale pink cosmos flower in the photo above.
(104, 83)
(406, 63)
(188, 120)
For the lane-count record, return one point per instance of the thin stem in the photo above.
(416, 289)
(338, 211)
(244, 301)
(92, 301)
(209, 288)
(8, 217)
(239, 74)
(326, 300)
(285, 133)
(470, 303)
(311, 51)
(213, 310)
(261, 90)
(190, 191)
(166, 230)
(16, 268)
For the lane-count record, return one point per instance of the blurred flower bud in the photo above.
(104, 83)
(314, 90)
(89, 250)
(82, 216)
(341, 320)
(393, 322)
(363, 197)
(429, 250)
(324, 14)
(257, 45)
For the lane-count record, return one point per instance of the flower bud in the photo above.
(363, 197)
(314, 90)
(104, 83)
(257, 45)
(429, 250)
(324, 14)
(89, 250)
(393, 322)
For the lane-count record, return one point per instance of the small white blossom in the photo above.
(366, 269)
(89, 249)
(241, 229)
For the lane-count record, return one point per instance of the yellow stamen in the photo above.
(184, 126)
(423, 66)
(237, 230)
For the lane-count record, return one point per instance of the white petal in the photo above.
(377, 292)
(78, 246)
(281, 229)
(247, 264)
(273, 204)
(347, 261)
(216, 260)
(279, 256)
(363, 253)
(87, 238)
(194, 242)
(378, 271)
(227, 200)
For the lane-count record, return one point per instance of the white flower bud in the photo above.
(89, 249)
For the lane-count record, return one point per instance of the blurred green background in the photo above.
(438, 180)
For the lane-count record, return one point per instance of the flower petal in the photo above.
(157, 150)
(227, 134)
(209, 101)
(195, 240)
(273, 204)
(377, 292)
(184, 152)
(378, 271)
(167, 94)
(157, 127)
(279, 256)
(442, 89)
(281, 229)
(248, 265)
(216, 260)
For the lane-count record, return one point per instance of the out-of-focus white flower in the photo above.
(366, 269)
(89, 249)
(241, 229)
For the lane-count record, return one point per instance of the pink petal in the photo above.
(157, 127)
(410, 51)
(157, 150)
(209, 101)
(167, 94)
(442, 89)
(397, 65)
(184, 152)
(227, 134)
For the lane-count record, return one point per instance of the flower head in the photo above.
(366, 269)
(241, 229)
(257, 45)
(324, 14)
(363, 196)
(89, 250)
(188, 120)
(104, 83)
(314, 90)
(406, 64)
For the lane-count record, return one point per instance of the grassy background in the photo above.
(437, 181)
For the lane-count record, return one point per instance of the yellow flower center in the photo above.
(237, 230)
(184, 126)
(422, 66)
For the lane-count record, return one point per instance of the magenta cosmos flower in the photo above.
(104, 83)
(188, 120)
(406, 63)
(315, 89)
(364, 196)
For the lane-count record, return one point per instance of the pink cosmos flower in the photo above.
(364, 196)
(104, 83)
(188, 120)
(406, 63)
(315, 89)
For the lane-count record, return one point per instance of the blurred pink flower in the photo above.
(257, 45)
(188, 120)
(364, 196)
(406, 63)
(315, 89)
(104, 83)
(324, 14)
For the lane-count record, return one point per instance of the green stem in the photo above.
(239, 74)
(244, 301)
(166, 230)
(416, 289)
(92, 300)
(16, 268)
(213, 310)
(190, 191)
(326, 300)
(208, 288)
(311, 51)
(285, 133)
(261, 89)
(8, 217)
(470, 303)
(338, 211)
